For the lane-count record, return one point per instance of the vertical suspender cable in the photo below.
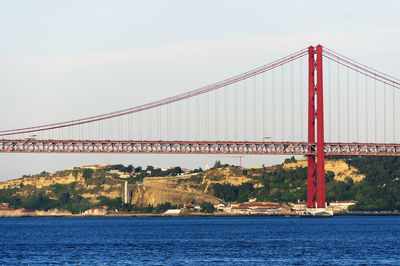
(226, 112)
(348, 106)
(282, 104)
(302, 107)
(273, 106)
(263, 102)
(366, 108)
(136, 122)
(141, 125)
(109, 129)
(159, 122)
(168, 125)
(197, 117)
(178, 107)
(338, 101)
(169, 121)
(245, 109)
(384, 112)
(171, 128)
(292, 100)
(120, 128)
(376, 128)
(130, 126)
(207, 114)
(216, 116)
(235, 112)
(330, 101)
(394, 113)
(149, 124)
(188, 118)
(357, 118)
(255, 109)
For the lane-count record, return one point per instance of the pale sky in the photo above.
(61, 60)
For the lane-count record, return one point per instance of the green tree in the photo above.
(112, 204)
(207, 207)
(130, 168)
(138, 169)
(163, 207)
(87, 174)
(63, 198)
(329, 176)
(217, 164)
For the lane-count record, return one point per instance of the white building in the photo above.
(341, 205)
(173, 212)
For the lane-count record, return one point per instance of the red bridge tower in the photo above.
(316, 166)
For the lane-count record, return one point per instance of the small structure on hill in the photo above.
(94, 166)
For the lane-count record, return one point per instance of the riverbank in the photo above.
(216, 214)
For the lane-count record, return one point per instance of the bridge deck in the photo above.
(193, 147)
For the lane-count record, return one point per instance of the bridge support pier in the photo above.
(316, 168)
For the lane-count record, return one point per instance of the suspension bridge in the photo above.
(314, 102)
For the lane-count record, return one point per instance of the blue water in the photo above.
(200, 240)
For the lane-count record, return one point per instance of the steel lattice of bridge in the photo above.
(314, 102)
(196, 147)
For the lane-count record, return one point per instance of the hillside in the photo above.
(81, 188)
(373, 182)
(340, 168)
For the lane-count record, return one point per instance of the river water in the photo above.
(344, 240)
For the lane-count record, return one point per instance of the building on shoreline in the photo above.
(96, 211)
(5, 211)
(256, 208)
(173, 212)
(341, 206)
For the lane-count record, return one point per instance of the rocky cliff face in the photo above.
(149, 195)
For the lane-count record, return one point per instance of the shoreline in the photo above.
(357, 213)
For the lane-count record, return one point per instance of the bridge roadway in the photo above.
(192, 147)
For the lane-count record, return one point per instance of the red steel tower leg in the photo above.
(316, 113)
(311, 189)
(320, 133)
